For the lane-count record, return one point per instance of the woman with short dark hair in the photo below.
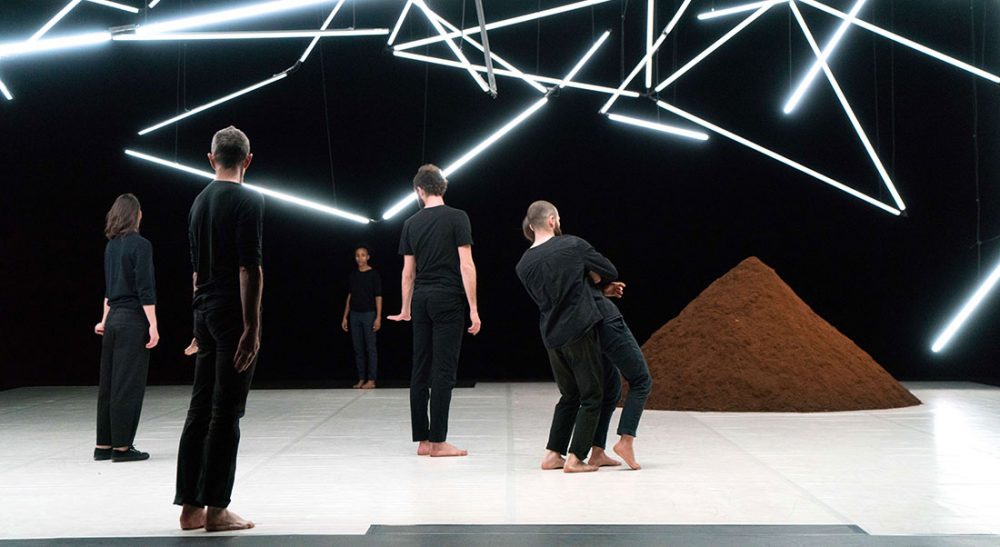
(129, 330)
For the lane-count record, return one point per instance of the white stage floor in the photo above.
(339, 461)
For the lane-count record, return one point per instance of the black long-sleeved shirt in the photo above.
(129, 281)
(555, 275)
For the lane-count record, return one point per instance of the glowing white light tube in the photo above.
(583, 60)
(650, 15)
(153, 4)
(214, 103)
(776, 156)
(489, 141)
(647, 58)
(53, 44)
(399, 22)
(6, 92)
(326, 25)
(513, 74)
(847, 107)
(500, 60)
(711, 49)
(249, 35)
(115, 5)
(743, 8)
(803, 86)
(267, 192)
(904, 41)
(696, 135)
(55, 19)
(966, 311)
(432, 17)
(502, 23)
(468, 156)
(227, 16)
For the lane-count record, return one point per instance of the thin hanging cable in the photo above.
(462, 42)
(326, 118)
(354, 9)
(177, 107)
(674, 69)
(975, 144)
(538, 41)
(790, 76)
(621, 64)
(878, 133)
(892, 84)
(593, 25)
(427, 75)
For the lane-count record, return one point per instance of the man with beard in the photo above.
(555, 273)
(439, 278)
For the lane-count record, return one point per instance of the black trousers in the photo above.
(438, 324)
(124, 367)
(578, 373)
(206, 458)
(622, 357)
(362, 325)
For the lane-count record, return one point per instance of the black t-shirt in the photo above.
(128, 272)
(433, 236)
(555, 275)
(224, 226)
(364, 287)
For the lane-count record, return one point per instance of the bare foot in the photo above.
(192, 518)
(624, 449)
(443, 450)
(370, 384)
(574, 465)
(424, 448)
(358, 385)
(224, 520)
(600, 458)
(552, 460)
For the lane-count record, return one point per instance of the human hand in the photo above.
(192, 349)
(154, 337)
(99, 328)
(378, 325)
(343, 325)
(477, 325)
(403, 316)
(246, 351)
(615, 289)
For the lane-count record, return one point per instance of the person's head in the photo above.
(230, 154)
(124, 217)
(428, 182)
(362, 256)
(543, 218)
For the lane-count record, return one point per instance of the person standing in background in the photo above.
(363, 316)
(129, 330)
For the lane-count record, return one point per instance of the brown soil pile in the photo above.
(748, 343)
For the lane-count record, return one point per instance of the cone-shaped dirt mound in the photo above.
(748, 343)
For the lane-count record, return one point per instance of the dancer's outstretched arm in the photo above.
(409, 276)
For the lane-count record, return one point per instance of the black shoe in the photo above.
(102, 454)
(130, 455)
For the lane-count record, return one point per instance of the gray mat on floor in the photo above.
(558, 535)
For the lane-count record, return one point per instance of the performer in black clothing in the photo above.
(439, 278)
(621, 356)
(225, 226)
(363, 317)
(554, 271)
(129, 330)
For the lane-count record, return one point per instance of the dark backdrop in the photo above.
(672, 215)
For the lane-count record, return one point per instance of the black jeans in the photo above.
(577, 369)
(206, 458)
(622, 357)
(361, 325)
(124, 367)
(438, 324)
